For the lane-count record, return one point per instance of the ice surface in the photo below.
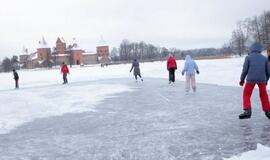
(156, 121)
(96, 116)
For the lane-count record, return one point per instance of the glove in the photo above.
(183, 73)
(198, 72)
(241, 83)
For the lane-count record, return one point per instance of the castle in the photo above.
(71, 54)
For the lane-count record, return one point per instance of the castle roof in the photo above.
(24, 51)
(42, 43)
(61, 39)
(89, 53)
(102, 42)
(33, 56)
(75, 45)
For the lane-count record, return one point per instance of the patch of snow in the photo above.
(21, 106)
(261, 153)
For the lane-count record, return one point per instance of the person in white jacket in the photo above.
(189, 68)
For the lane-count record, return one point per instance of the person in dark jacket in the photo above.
(255, 71)
(171, 67)
(64, 71)
(16, 78)
(136, 69)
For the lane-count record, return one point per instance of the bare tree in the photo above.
(69, 51)
(115, 54)
(240, 37)
(265, 20)
(256, 29)
(7, 65)
(54, 53)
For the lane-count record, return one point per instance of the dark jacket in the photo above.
(255, 67)
(136, 67)
(16, 76)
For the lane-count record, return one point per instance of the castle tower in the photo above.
(102, 49)
(43, 51)
(76, 53)
(60, 46)
(24, 55)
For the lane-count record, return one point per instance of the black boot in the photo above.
(267, 114)
(246, 114)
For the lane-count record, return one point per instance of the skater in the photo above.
(256, 70)
(136, 69)
(171, 67)
(190, 68)
(64, 71)
(16, 78)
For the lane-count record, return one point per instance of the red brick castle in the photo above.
(72, 54)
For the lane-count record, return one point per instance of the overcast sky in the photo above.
(183, 24)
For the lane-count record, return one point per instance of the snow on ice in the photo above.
(261, 153)
(41, 93)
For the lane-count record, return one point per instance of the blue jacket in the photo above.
(190, 66)
(255, 67)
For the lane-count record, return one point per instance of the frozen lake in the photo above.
(155, 121)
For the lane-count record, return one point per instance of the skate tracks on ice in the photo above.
(155, 121)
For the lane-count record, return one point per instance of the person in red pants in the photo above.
(256, 72)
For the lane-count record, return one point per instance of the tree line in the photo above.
(252, 29)
(247, 31)
(148, 52)
(9, 63)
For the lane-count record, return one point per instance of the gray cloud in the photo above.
(173, 23)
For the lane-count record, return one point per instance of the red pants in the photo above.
(263, 96)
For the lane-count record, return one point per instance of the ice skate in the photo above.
(246, 114)
(267, 114)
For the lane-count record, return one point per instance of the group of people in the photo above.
(64, 71)
(189, 69)
(256, 71)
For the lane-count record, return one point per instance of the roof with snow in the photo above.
(61, 39)
(24, 51)
(42, 43)
(33, 56)
(102, 42)
(62, 55)
(89, 53)
(75, 45)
